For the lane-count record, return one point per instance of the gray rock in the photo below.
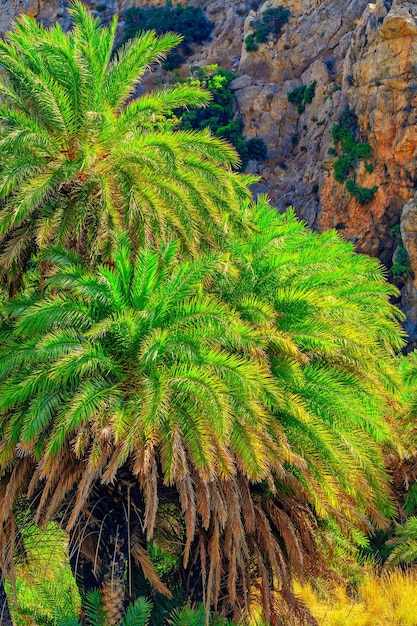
(241, 82)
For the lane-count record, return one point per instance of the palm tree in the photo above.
(131, 396)
(82, 156)
(127, 386)
(333, 306)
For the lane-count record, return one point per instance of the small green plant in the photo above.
(257, 149)
(300, 96)
(275, 19)
(310, 92)
(401, 266)
(250, 44)
(343, 167)
(261, 31)
(271, 23)
(369, 168)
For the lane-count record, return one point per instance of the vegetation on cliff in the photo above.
(302, 95)
(219, 115)
(352, 152)
(270, 24)
(188, 21)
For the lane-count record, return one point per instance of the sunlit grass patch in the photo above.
(386, 600)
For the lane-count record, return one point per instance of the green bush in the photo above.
(189, 21)
(296, 96)
(275, 19)
(257, 149)
(218, 115)
(310, 92)
(362, 150)
(300, 96)
(250, 44)
(401, 267)
(362, 194)
(271, 23)
(345, 133)
(343, 167)
(261, 31)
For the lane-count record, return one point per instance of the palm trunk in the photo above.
(5, 617)
(114, 558)
(104, 564)
(101, 542)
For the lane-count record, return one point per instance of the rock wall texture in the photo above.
(363, 56)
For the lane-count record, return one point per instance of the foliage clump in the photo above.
(404, 543)
(218, 116)
(271, 23)
(300, 96)
(401, 266)
(362, 194)
(250, 43)
(345, 134)
(191, 22)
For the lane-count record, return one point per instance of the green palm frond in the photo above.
(404, 543)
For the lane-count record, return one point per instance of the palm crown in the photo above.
(338, 332)
(80, 157)
(135, 357)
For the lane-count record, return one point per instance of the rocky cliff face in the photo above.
(9, 9)
(363, 56)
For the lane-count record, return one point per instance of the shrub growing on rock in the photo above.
(190, 22)
(271, 23)
(219, 114)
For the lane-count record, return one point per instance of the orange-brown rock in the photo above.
(382, 91)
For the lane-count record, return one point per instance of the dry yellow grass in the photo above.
(386, 600)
